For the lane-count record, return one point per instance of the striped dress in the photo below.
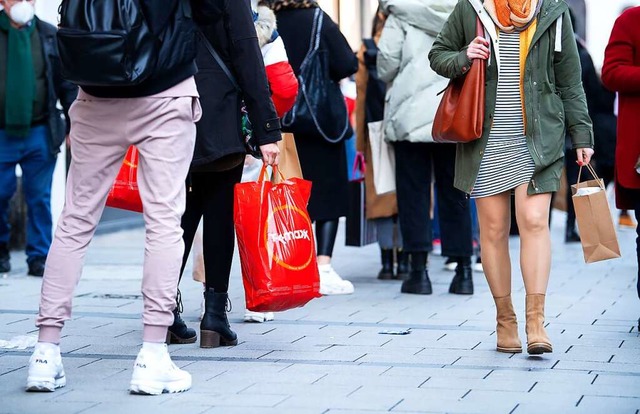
(506, 162)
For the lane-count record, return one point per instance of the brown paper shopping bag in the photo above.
(289, 164)
(597, 232)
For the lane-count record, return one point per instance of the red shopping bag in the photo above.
(124, 193)
(276, 244)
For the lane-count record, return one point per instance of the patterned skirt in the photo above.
(506, 164)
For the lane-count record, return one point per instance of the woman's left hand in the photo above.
(584, 156)
(270, 153)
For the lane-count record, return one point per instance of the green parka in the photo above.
(554, 99)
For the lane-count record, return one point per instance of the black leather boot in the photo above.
(179, 332)
(418, 281)
(215, 330)
(402, 272)
(462, 283)
(386, 273)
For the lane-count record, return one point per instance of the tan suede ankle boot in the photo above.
(537, 340)
(507, 326)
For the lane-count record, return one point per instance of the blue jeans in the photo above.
(34, 157)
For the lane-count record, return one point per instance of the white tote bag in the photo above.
(383, 159)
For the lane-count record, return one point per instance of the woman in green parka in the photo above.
(533, 94)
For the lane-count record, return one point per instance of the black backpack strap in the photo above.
(219, 61)
(369, 44)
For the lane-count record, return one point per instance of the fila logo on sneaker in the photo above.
(41, 361)
(139, 365)
(288, 236)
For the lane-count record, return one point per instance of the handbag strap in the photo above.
(219, 61)
(593, 172)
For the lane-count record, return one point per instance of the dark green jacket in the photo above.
(554, 99)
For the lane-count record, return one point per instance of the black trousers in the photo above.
(210, 198)
(416, 163)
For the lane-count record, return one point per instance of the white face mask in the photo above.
(22, 13)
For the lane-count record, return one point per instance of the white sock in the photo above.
(325, 267)
(46, 346)
(156, 347)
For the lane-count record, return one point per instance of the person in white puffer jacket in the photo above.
(410, 106)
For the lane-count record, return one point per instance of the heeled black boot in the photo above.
(418, 281)
(386, 273)
(215, 330)
(462, 282)
(402, 272)
(179, 332)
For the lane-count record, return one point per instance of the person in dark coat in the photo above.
(600, 102)
(32, 127)
(322, 163)
(220, 151)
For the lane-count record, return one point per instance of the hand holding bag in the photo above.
(460, 115)
(597, 232)
(276, 243)
(124, 193)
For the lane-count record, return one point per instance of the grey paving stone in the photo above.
(611, 404)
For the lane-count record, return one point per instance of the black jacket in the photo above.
(600, 102)
(232, 34)
(176, 57)
(58, 89)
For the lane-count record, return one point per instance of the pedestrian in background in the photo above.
(600, 102)
(412, 101)
(383, 209)
(533, 92)
(219, 156)
(621, 73)
(158, 116)
(323, 163)
(32, 128)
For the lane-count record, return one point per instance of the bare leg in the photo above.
(532, 214)
(494, 219)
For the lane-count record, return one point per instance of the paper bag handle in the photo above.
(593, 172)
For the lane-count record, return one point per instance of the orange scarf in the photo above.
(512, 15)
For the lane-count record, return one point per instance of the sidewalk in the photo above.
(331, 357)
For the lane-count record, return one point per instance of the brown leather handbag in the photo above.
(460, 115)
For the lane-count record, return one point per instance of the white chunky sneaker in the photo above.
(154, 373)
(331, 283)
(46, 372)
(259, 317)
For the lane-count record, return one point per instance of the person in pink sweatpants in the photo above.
(157, 114)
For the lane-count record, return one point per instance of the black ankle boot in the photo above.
(179, 332)
(215, 330)
(462, 283)
(386, 273)
(418, 281)
(571, 235)
(402, 271)
(5, 259)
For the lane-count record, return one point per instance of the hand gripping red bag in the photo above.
(276, 244)
(124, 193)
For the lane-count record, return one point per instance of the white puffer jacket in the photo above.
(412, 96)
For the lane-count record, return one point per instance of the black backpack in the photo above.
(110, 43)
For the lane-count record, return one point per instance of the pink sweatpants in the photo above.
(163, 130)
